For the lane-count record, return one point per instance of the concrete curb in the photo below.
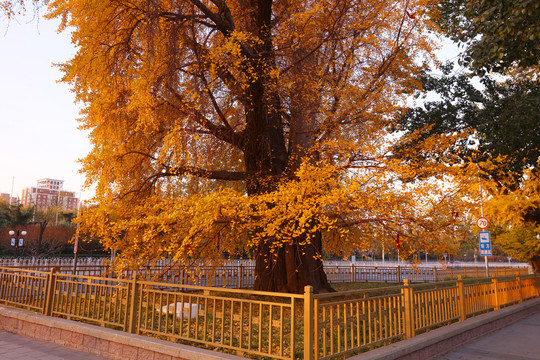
(447, 338)
(118, 345)
(108, 343)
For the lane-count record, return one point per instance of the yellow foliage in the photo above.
(352, 211)
(514, 214)
(217, 125)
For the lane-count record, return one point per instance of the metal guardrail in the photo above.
(270, 325)
(257, 323)
(345, 323)
(242, 276)
(23, 288)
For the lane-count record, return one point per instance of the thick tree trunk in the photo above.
(266, 156)
(535, 263)
(291, 267)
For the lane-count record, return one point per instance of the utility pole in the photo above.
(11, 194)
(76, 246)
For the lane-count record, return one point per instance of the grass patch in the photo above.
(350, 286)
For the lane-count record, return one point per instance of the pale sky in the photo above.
(38, 128)
(39, 136)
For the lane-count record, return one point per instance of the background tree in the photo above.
(13, 217)
(500, 128)
(496, 34)
(517, 213)
(20, 215)
(49, 242)
(38, 243)
(498, 119)
(5, 213)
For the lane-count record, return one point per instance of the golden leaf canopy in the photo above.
(220, 124)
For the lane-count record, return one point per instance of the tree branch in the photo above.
(204, 173)
(223, 20)
(223, 133)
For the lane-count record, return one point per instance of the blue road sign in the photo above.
(485, 243)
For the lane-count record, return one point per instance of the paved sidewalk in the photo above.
(519, 341)
(18, 347)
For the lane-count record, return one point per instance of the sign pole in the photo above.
(484, 239)
(482, 214)
(487, 267)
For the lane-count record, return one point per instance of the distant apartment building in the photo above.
(8, 198)
(49, 193)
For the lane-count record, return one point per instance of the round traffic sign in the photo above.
(482, 222)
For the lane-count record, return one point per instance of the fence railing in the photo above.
(9, 261)
(242, 275)
(257, 323)
(346, 323)
(270, 325)
(24, 288)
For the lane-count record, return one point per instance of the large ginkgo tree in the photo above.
(253, 126)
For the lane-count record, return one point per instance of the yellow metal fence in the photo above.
(260, 324)
(23, 288)
(251, 322)
(243, 276)
(102, 301)
(346, 323)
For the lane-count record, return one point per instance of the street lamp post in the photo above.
(17, 241)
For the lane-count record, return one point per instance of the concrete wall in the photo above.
(107, 343)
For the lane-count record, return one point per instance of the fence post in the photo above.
(309, 318)
(461, 291)
(49, 296)
(352, 272)
(495, 286)
(133, 305)
(399, 274)
(240, 276)
(518, 278)
(435, 272)
(408, 307)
